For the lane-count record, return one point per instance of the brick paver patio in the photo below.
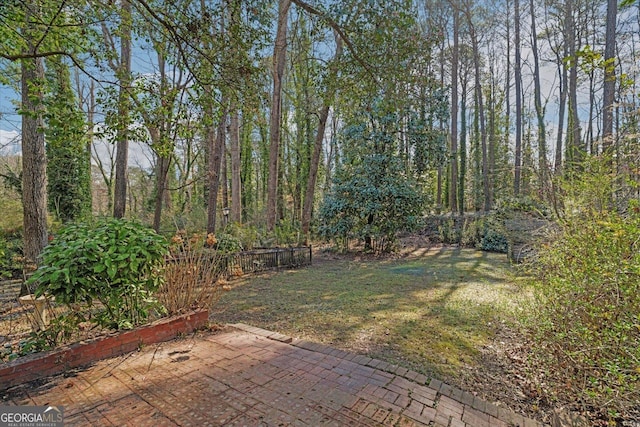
(245, 376)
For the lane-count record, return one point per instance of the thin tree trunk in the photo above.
(236, 187)
(507, 87)
(163, 158)
(307, 208)
(481, 116)
(463, 142)
(518, 78)
(122, 145)
(279, 61)
(224, 172)
(162, 172)
(542, 142)
(563, 75)
(216, 148)
(453, 194)
(609, 78)
(492, 133)
(574, 149)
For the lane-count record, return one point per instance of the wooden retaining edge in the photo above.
(46, 364)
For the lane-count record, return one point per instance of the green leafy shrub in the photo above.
(287, 233)
(116, 262)
(586, 321)
(228, 244)
(10, 255)
(448, 232)
(372, 200)
(247, 234)
(493, 237)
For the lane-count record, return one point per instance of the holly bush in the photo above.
(116, 262)
(372, 200)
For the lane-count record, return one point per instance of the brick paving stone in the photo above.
(442, 420)
(370, 409)
(384, 366)
(475, 418)
(401, 370)
(406, 422)
(397, 389)
(354, 416)
(391, 420)
(424, 395)
(390, 396)
(492, 410)
(421, 379)
(510, 417)
(494, 422)
(455, 407)
(245, 376)
(411, 375)
(403, 401)
(415, 407)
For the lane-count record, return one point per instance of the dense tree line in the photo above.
(259, 106)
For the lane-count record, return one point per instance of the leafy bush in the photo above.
(246, 233)
(10, 256)
(116, 262)
(448, 232)
(372, 200)
(492, 236)
(484, 232)
(586, 320)
(287, 233)
(228, 244)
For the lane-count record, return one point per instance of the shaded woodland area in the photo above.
(256, 107)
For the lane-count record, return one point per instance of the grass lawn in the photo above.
(430, 310)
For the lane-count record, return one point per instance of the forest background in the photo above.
(177, 112)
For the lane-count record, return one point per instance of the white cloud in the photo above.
(9, 142)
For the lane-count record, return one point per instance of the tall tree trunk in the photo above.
(574, 149)
(224, 172)
(453, 194)
(279, 61)
(563, 76)
(163, 158)
(491, 102)
(216, 150)
(236, 186)
(463, 143)
(507, 86)
(609, 78)
(122, 144)
(309, 196)
(34, 161)
(518, 78)
(480, 106)
(162, 172)
(542, 142)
